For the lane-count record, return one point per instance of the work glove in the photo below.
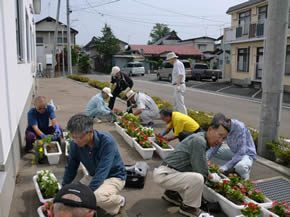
(163, 133)
(178, 88)
(223, 169)
(43, 136)
(127, 89)
(57, 130)
(215, 177)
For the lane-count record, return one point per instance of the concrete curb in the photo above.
(281, 169)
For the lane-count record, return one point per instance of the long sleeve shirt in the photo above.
(240, 142)
(97, 106)
(123, 81)
(103, 161)
(190, 155)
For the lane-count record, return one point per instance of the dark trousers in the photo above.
(115, 94)
(185, 134)
(31, 136)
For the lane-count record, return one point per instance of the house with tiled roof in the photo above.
(246, 37)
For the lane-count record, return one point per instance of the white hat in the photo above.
(130, 94)
(115, 70)
(107, 91)
(171, 55)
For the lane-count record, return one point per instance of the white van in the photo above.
(134, 68)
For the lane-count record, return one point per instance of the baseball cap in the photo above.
(85, 197)
(107, 91)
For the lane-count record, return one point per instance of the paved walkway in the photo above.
(71, 97)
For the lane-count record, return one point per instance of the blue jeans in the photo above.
(243, 167)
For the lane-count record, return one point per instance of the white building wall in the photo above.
(16, 78)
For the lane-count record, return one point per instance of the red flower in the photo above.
(235, 187)
(245, 204)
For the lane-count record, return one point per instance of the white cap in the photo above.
(115, 70)
(171, 55)
(107, 91)
(129, 94)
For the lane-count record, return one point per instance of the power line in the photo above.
(94, 6)
(174, 12)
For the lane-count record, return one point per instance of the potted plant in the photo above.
(148, 131)
(67, 139)
(144, 146)
(38, 147)
(52, 150)
(46, 185)
(118, 112)
(251, 210)
(280, 209)
(162, 147)
(44, 210)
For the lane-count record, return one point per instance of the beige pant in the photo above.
(178, 99)
(187, 184)
(107, 195)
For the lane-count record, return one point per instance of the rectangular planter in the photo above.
(119, 129)
(227, 206)
(267, 213)
(38, 191)
(266, 204)
(39, 211)
(162, 152)
(146, 153)
(53, 158)
(128, 139)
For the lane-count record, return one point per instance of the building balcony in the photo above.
(250, 32)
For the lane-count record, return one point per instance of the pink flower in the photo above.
(46, 204)
(235, 175)
(48, 213)
(274, 203)
(250, 192)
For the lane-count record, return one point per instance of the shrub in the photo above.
(281, 151)
(79, 78)
(98, 84)
(84, 64)
(255, 135)
(201, 118)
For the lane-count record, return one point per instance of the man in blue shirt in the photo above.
(240, 152)
(97, 107)
(98, 152)
(38, 122)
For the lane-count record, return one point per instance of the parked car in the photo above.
(134, 68)
(165, 71)
(201, 71)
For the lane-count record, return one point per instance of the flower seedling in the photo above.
(160, 140)
(251, 210)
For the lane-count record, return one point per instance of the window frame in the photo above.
(246, 56)
(243, 16)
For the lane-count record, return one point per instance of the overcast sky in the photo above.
(133, 20)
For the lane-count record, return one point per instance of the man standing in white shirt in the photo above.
(178, 81)
(146, 107)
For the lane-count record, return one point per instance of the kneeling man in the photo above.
(98, 152)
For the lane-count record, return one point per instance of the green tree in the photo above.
(158, 31)
(107, 45)
(84, 64)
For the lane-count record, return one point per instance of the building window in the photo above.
(243, 60)
(287, 66)
(19, 29)
(262, 14)
(202, 47)
(39, 40)
(245, 21)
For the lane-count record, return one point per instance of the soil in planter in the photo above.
(52, 148)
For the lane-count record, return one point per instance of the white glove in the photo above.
(223, 169)
(178, 88)
(127, 89)
(215, 177)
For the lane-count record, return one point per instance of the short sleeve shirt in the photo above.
(41, 120)
(178, 69)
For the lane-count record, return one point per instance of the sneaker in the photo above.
(189, 211)
(172, 197)
(96, 120)
(150, 124)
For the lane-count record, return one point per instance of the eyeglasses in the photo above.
(79, 138)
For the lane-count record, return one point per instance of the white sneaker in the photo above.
(96, 120)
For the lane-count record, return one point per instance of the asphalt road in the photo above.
(240, 108)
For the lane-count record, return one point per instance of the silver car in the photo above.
(134, 68)
(165, 71)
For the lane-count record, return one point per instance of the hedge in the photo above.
(79, 78)
(98, 84)
(281, 151)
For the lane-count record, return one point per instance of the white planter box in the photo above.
(227, 206)
(267, 213)
(39, 211)
(53, 158)
(84, 169)
(146, 153)
(128, 139)
(38, 191)
(266, 204)
(119, 129)
(162, 152)
(66, 148)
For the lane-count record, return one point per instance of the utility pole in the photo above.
(62, 51)
(274, 69)
(55, 38)
(68, 39)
